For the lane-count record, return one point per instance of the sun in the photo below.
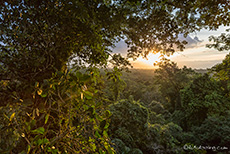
(151, 59)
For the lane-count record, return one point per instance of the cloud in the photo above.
(195, 55)
(199, 58)
(199, 64)
(121, 47)
(191, 42)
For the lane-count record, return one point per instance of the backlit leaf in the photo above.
(39, 92)
(12, 116)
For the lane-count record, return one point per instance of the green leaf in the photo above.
(108, 113)
(93, 146)
(40, 141)
(85, 107)
(97, 134)
(88, 95)
(39, 130)
(84, 77)
(45, 140)
(28, 149)
(44, 95)
(105, 134)
(107, 125)
(46, 118)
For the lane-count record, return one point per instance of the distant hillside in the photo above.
(141, 74)
(202, 71)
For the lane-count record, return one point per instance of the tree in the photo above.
(202, 98)
(140, 84)
(63, 115)
(171, 80)
(221, 42)
(38, 38)
(115, 84)
(56, 30)
(135, 126)
(214, 130)
(221, 71)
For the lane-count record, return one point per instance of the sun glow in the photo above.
(151, 59)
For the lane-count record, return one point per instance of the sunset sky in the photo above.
(196, 55)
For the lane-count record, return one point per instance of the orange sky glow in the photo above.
(197, 55)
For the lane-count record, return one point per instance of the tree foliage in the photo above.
(221, 73)
(138, 127)
(213, 131)
(56, 30)
(115, 84)
(171, 80)
(221, 42)
(64, 115)
(45, 108)
(202, 98)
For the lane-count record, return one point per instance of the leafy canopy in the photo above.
(46, 110)
(40, 36)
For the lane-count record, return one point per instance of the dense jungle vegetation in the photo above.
(170, 109)
(63, 90)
